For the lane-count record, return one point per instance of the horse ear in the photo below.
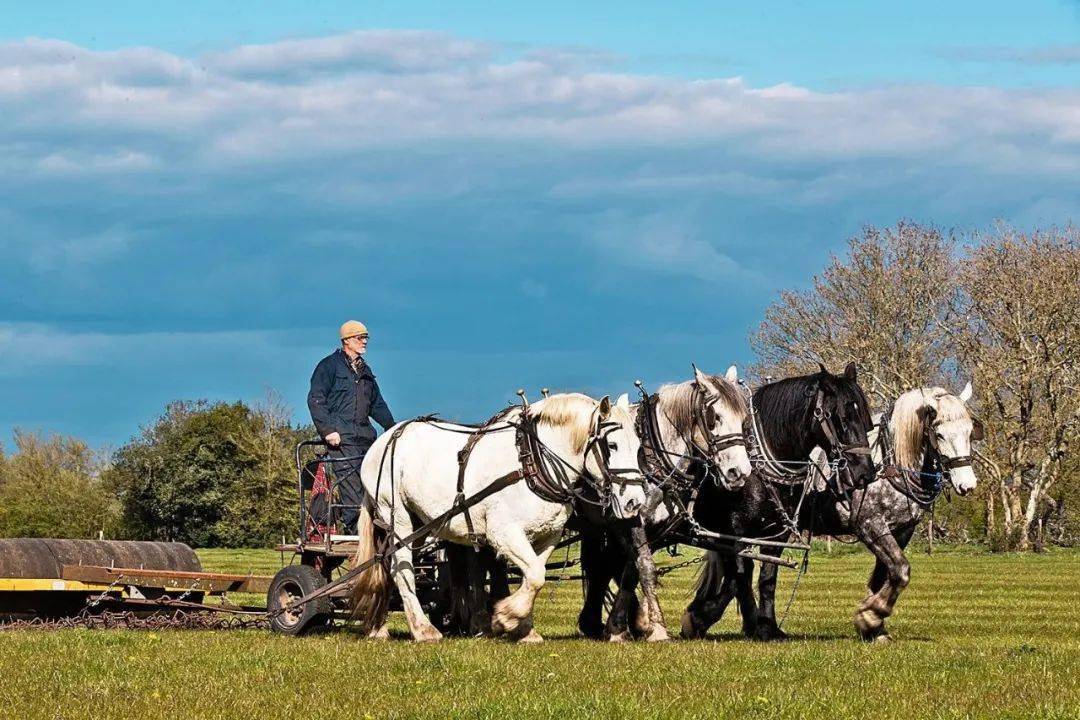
(823, 370)
(850, 372)
(623, 402)
(605, 407)
(700, 378)
(978, 431)
(732, 374)
(965, 394)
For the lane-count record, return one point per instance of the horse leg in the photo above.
(477, 619)
(625, 605)
(513, 614)
(767, 629)
(641, 552)
(715, 590)
(596, 549)
(744, 593)
(405, 579)
(892, 572)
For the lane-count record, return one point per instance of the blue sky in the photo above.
(192, 197)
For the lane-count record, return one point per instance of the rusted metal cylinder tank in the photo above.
(45, 557)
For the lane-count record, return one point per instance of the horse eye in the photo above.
(613, 446)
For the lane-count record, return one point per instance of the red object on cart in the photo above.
(318, 514)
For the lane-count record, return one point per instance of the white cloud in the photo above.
(363, 90)
(404, 51)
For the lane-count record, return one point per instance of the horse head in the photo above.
(719, 429)
(842, 421)
(949, 429)
(599, 436)
(616, 457)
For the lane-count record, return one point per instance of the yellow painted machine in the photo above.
(52, 578)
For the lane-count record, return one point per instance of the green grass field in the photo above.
(977, 636)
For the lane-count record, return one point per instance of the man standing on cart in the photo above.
(344, 397)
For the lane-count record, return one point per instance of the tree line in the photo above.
(208, 474)
(912, 305)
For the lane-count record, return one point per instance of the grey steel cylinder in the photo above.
(45, 557)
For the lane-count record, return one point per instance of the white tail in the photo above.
(371, 589)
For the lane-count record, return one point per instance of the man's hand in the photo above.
(333, 439)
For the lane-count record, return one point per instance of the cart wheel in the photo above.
(292, 583)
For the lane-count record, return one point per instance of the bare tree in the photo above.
(1018, 327)
(884, 306)
(1004, 312)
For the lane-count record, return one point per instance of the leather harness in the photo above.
(935, 465)
(553, 485)
(657, 459)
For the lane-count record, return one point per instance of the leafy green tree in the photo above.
(51, 487)
(209, 474)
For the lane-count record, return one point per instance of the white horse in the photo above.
(518, 524)
(699, 424)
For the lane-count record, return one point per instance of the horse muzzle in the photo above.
(732, 479)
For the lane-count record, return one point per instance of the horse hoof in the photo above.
(659, 633)
(428, 634)
(690, 629)
(379, 634)
(769, 633)
(883, 639)
(590, 629)
(868, 624)
(532, 638)
(621, 637)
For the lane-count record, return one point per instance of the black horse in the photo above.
(793, 416)
(777, 499)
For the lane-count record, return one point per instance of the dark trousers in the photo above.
(350, 492)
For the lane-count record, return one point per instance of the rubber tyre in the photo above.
(292, 583)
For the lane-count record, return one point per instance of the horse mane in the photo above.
(777, 404)
(907, 421)
(677, 401)
(572, 411)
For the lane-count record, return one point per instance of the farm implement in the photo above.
(44, 579)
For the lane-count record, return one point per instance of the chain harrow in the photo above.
(130, 620)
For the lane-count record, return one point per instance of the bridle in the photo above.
(714, 444)
(658, 459)
(842, 451)
(936, 468)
